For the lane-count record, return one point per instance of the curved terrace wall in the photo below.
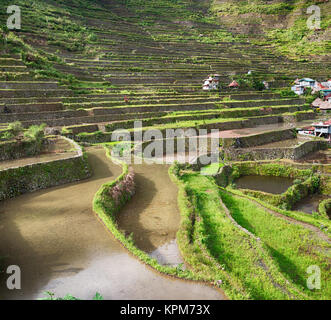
(10, 150)
(42, 175)
(109, 200)
(292, 153)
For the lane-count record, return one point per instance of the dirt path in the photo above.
(61, 246)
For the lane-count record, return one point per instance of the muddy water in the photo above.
(153, 217)
(275, 185)
(309, 204)
(62, 247)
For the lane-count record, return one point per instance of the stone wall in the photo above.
(29, 178)
(10, 150)
(258, 139)
(292, 153)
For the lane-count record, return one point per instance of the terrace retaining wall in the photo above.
(292, 153)
(29, 178)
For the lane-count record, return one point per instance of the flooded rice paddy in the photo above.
(62, 247)
(270, 184)
(153, 217)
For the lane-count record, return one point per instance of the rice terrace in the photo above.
(165, 150)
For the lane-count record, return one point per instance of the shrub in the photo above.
(15, 128)
(124, 189)
(35, 133)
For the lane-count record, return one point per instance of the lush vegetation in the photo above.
(228, 247)
(51, 296)
(208, 238)
(292, 247)
(293, 38)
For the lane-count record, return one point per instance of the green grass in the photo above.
(238, 253)
(293, 247)
(320, 222)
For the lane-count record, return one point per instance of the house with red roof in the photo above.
(234, 84)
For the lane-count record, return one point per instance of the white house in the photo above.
(212, 83)
(323, 129)
(301, 84)
(298, 89)
(307, 82)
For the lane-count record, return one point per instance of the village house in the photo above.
(302, 84)
(326, 92)
(234, 85)
(320, 129)
(212, 83)
(323, 129)
(326, 84)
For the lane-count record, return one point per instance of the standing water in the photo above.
(270, 184)
(153, 217)
(61, 246)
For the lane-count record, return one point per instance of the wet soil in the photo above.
(153, 217)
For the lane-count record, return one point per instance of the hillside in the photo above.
(88, 55)
(281, 24)
(81, 69)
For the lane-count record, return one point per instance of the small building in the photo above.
(326, 84)
(318, 87)
(328, 98)
(234, 85)
(299, 90)
(307, 131)
(307, 82)
(323, 129)
(326, 92)
(317, 103)
(301, 85)
(212, 83)
(325, 107)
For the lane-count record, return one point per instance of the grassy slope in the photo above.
(293, 248)
(240, 255)
(284, 24)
